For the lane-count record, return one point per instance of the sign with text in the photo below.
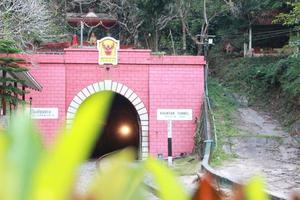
(44, 113)
(108, 51)
(175, 114)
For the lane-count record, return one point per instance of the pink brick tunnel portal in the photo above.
(149, 82)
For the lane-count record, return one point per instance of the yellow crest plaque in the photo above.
(108, 51)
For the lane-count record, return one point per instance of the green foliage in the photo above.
(29, 171)
(263, 74)
(270, 82)
(252, 7)
(249, 75)
(7, 46)
(223, 106)
(9, 60)
(9, 65)
(2, 80)
(153, 8)
(156, 15)
(232, 25)
(290, 79)
(146, 22)
(199, 137)
(126, 180)
(291, 18)
(254, 189)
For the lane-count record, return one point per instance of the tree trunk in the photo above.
(146, 41)
(80, 7)
(183, 37)
(136, 39)
(3, 102)
(245, 49)
(156, 40)
(183, 26)
(173, 44)
(199, 49)
(16, 95)
(204, 12)
(66, 6)
(204, 31)
(203, 35)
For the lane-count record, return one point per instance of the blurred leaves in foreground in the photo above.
(28, 171)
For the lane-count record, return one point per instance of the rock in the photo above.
(241, 100)
(295, 129)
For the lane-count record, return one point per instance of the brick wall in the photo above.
(52, 78)
(159, 81)
(174, 87)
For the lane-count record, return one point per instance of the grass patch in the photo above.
(219, 156)
(188, 165)
(223, 106)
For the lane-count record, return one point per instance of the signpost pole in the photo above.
(173, 115)
(170, 158)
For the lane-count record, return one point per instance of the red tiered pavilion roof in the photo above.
(91, 19)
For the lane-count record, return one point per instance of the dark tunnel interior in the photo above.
(121, 129)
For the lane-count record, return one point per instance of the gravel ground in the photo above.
(85, 175)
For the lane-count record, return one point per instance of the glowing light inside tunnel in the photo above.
(124, 130)
(121, 129)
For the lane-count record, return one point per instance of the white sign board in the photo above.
(175, 114)
(44, 113)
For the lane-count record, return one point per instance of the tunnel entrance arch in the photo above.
(125, 92)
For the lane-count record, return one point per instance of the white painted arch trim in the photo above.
(109, 85)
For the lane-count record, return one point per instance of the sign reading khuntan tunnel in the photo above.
(108, 51)
(175, 114)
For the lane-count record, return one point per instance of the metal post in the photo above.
(245, 46)
(170, 158)
(23, 97)
(250, 41)
(30, 105)
(81, 33)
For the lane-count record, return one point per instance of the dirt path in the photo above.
(262, 147)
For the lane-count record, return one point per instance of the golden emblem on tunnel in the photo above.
(108, 51)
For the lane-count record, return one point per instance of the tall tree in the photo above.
(292, 19)
(196, 18)
(157, 15)
(129, 17)
(9, 83)
(249, 9)
(25, 21)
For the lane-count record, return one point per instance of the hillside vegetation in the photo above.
(270, 83)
